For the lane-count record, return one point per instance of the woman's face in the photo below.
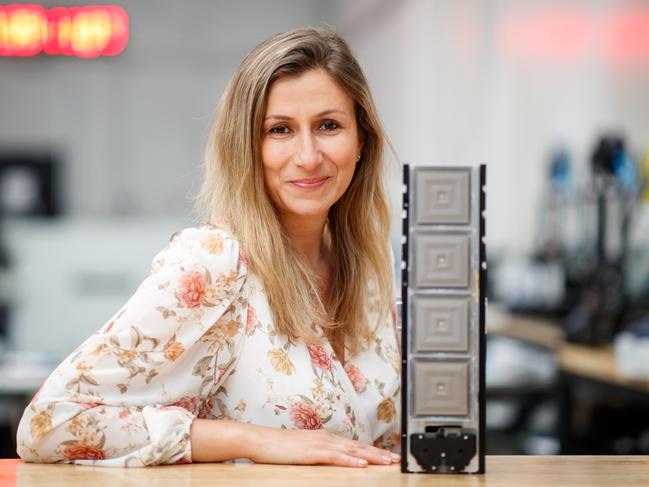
(310, 144)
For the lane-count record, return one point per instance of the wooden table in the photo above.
(518, 471)
(537, 331)
(596, 363)
(578, 365)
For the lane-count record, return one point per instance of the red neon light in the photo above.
(87, 32)
(628, 37)
(568, 34)
(548, 35)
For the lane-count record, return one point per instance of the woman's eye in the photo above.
(329, 125)
(280, 129)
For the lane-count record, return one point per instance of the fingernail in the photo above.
(387, 459)
(395, 456)
(361, 461)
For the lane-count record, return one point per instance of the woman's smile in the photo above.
(309, 184)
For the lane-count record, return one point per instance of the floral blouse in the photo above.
(196, 340)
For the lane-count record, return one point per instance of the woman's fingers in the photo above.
(371, 454)
(306, 447)
(344, 460)
(375, 455)
(386, 456)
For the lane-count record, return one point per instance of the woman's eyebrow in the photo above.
(321, 114)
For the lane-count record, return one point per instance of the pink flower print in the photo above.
(320, 357)
(243, 259)
(304, 416)
(252, 319)
(192, 289)
(84, 452)
(356, 377)
(186, 402)
(205, 410)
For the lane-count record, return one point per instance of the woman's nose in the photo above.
(308, 154)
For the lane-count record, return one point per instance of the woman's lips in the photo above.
(311, 183)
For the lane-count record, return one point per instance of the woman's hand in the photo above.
(215, 440)
(316, 447)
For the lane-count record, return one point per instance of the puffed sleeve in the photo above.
(127, 396)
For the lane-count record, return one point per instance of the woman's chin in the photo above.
(308, 211)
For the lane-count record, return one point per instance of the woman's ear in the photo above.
(361, 143)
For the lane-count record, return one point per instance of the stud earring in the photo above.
(358, 157)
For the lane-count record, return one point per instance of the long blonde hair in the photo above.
(358, 223)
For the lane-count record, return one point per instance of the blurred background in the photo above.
(100, 154)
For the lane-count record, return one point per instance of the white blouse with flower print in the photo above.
(196, 340)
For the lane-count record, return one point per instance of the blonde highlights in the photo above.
(358, 223)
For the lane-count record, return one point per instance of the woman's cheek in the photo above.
(269, 155)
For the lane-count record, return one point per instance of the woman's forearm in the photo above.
(216, 440)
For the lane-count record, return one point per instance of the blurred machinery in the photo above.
(589, 275)
(584, 271)
(602, 296)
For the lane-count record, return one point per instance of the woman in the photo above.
(264, 334)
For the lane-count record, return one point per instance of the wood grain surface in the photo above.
(547, 471)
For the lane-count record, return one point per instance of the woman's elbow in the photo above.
(36, 437)
(30, 449)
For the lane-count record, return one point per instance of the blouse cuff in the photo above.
(169, 428)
